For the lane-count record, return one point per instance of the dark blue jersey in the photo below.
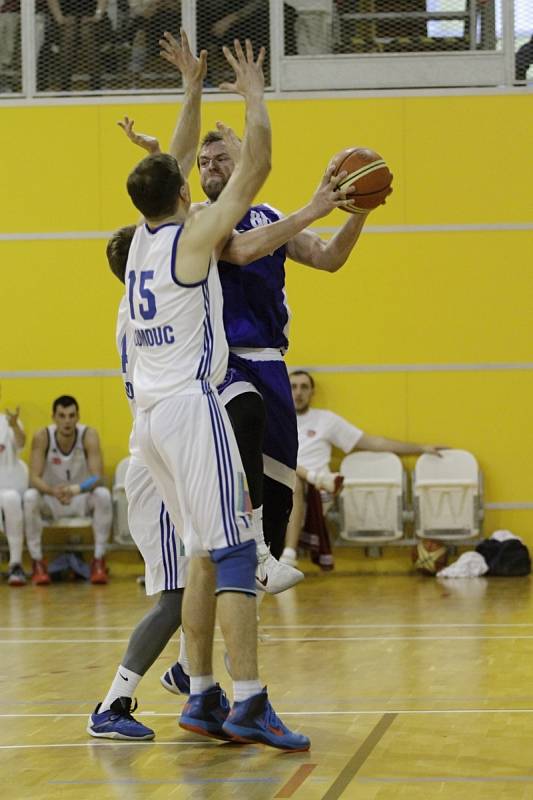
(256, 313)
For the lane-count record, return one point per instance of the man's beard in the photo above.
(213, 188)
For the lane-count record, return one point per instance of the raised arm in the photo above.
(244, 248)
(329, 255)
(206, 230)
(18, 431)
(184, 142)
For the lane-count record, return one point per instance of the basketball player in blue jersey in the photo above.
(184, 434)
(256, 320)
(256, 389)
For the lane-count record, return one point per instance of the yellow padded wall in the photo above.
(403, 298)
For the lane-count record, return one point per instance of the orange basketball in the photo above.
(430, 556)
(369, 173)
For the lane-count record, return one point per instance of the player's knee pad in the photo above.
(235, 568)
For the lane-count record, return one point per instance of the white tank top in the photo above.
(63, 467)
(177, 329)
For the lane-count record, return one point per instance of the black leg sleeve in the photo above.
(247, 415)
(277, 507)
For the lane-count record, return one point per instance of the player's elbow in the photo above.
(240, 255)
(333, 265)
(329, 262)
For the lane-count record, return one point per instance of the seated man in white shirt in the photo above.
(66, 480)
(318, 431)
(12, 440)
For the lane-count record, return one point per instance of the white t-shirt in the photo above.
(318, 431)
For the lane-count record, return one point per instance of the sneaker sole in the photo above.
(17, 583)
(115, 735)
(236, 734)
(170, 687)
(194, 727)
(269, 590)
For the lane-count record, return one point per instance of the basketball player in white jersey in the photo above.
(160, 545)
(148, 519)
(184, 433)
(12, 440)
(66, 472)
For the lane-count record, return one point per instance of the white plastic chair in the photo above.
(373, 498)
(448, 496)
(121, 531)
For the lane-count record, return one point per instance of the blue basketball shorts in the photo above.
(270, 379)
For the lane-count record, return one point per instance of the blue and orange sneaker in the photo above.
(205, 713)
(176, 680)
(117, 722)
(254, 720)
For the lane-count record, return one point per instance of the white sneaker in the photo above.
(331, 482)
(271, 576)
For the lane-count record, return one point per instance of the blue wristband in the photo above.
(89, 483)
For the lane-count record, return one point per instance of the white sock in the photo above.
(290, 552)
(201, 683)
(183, 657)
(242, 690)
(124, 685)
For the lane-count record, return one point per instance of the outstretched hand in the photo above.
(249, 79)
(148, 143)
(434, 450)
(231, 140)
(193, 69)
(328, 195)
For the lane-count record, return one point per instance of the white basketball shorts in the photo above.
(153, 532)
(188, 444)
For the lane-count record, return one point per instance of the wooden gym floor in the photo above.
(408, 687)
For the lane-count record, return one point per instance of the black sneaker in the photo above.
(16, 576)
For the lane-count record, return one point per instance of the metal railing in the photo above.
(322, 45)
